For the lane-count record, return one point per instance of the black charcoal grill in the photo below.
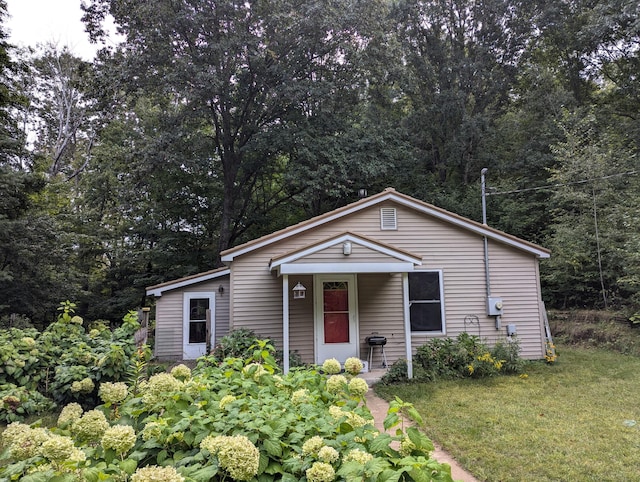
(373, 341)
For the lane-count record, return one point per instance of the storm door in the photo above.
(197, 308)
(336, 317)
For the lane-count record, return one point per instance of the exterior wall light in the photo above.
(299, 291)
(346, 248)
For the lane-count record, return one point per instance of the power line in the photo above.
(554, 186)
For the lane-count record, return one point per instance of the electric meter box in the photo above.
(494, 306)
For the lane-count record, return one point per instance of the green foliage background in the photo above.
(216, 122)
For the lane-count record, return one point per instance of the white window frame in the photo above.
(443, 329)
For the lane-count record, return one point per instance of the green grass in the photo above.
(563, 422)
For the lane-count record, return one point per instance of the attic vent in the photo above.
(388, 218)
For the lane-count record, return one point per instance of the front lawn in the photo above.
(574, 420)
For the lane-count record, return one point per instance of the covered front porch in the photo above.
(340, 292)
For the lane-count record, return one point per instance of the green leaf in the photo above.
(162, 456)
(273, 447)
(420, 440)
(381, 443)
(129, 466)
(413, 414)
(205, 474)
(391, 420)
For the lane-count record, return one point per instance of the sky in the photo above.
(40, 21)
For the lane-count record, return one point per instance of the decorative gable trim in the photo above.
(404, 260)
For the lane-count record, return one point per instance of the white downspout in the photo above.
(285, 323)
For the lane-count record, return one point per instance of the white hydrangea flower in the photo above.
(321, 472)
(120, 438)
(300, 396)
(224, 401)
(237, 455)
(336, 383)
(153, 473)
(328, 454)
(24, 441)
(353, 365)
(57, 448)
(358, 387)
(181, 372)
(331, 366)
(357, 455)
(113, 392)
(91, 426)
(312, 445)
(158, 387)
(69, 414)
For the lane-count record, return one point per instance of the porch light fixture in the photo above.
(299, 291)
(346, 248)
(220, 289)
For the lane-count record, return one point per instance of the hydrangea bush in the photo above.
(64, 363)
(236, 420)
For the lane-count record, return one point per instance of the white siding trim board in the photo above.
(320, 268)
(157, 292)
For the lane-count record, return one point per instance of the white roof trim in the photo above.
(157, 291)
(333, 268)
(341, 239)
(380, 198)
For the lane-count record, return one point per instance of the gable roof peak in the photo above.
(389, 193)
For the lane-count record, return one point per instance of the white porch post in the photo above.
(407, 323)
(285, 323)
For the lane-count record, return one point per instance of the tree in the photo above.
(249, 72)
(595, 205)
(461, 59)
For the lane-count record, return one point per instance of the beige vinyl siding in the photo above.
(301, 332)
(168, 333)
(380, 304)
(458, 253)
(169, 316)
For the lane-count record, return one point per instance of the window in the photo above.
(425, 301)
(198, 320)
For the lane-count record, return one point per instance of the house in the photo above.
(388, 265)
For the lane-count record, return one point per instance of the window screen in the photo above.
(425, 301)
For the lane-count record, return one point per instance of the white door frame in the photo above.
(191, 351)
(340, 351)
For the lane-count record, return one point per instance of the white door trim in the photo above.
(340, 351)
(191, 351)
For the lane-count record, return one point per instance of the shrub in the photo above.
(16, 403)
(464, 356)
(239, 419)
(64, 362)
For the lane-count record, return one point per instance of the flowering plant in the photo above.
(224, 422)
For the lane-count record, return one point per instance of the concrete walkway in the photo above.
(379, 408)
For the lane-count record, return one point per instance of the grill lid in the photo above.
(377, 340)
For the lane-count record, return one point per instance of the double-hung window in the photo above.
(426, 305)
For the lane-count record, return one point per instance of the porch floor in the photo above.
(373, 376)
